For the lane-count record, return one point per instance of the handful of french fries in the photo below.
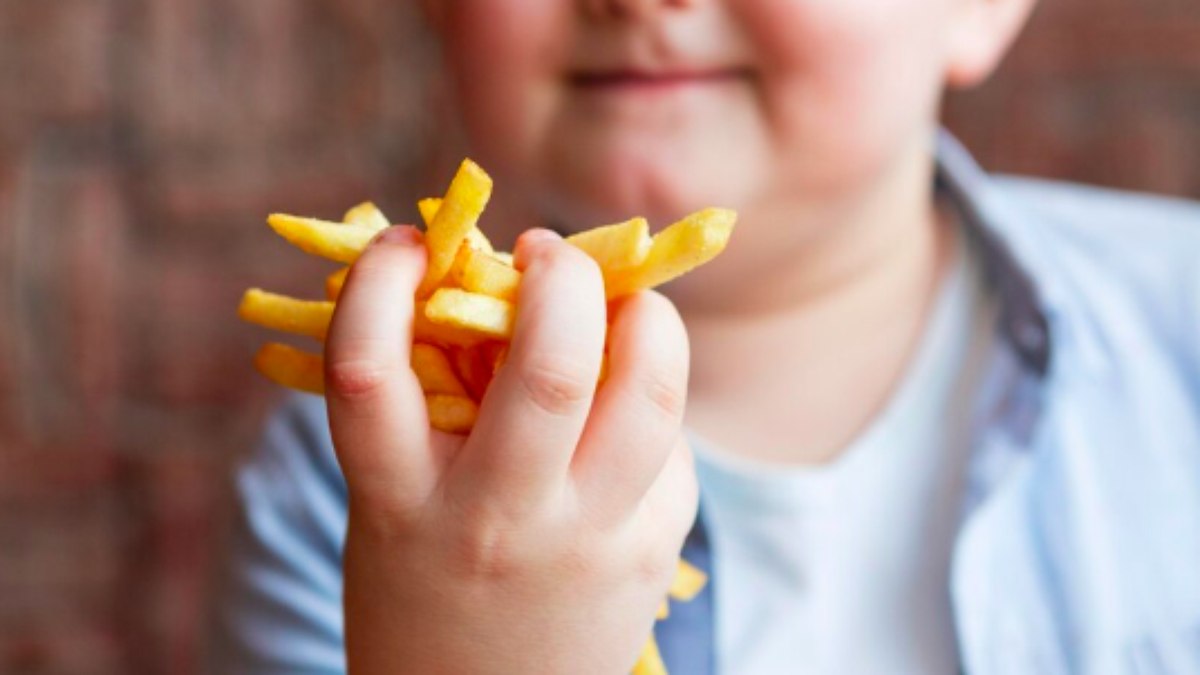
(467, 303)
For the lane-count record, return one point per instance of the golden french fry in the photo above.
(479, 241)
(650, 662)
(495, 353)
(474, 368)
(664, 610)
(504, 257)
(291, 367)
(334, 283)
(425, 330)
(621, 246)
(329, 240)
(452, 414)
(676, 250)
(481, 272)
(464, 202)
(368, 216)
(476, 313)
(434, 371)
(287, 314)
(688, 581)
(475, 237)
(429, 208)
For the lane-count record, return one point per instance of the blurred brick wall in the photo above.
(141, 142)
(1097, 91)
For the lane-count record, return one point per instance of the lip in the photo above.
(638, 80)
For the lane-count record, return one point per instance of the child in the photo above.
(940, 421)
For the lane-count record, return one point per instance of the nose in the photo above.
(630, 9)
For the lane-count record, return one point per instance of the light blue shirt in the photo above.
(1078, 548)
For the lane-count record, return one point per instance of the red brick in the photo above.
(53, 63)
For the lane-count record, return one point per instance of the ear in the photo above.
(981, 34)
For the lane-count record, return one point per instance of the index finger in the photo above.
(377, 412)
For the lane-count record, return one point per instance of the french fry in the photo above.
(473, 368)
(475, 237)
(504, 257)
(429, 208)
(676, 250)
(479, 314)
(664, 610)
(452, 414)
(479, 241)
(329, 240)
(617, 247)
(290, 315)
(650, 662)
(481, 272)
(334, 283)
(434, 371)
(688, 581)
(495, 353)
(291, 367)
(460, 209)
(368, 216)
(425, 330)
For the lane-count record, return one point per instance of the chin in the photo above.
(621, 186)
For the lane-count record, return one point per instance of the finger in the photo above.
(533, 412)
(638, 415)
(674, 496)
(376, 409)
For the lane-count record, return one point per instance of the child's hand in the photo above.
(543, 542)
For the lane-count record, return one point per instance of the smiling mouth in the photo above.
(645, 81)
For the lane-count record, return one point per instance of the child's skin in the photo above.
(544, 542)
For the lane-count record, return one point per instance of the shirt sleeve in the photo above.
(280, 604)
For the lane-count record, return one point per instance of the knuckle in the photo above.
(666, 391)
(353, 379)
(656, 565)
(577, 560)
(558, 386)
(487, 552)
(380, 518)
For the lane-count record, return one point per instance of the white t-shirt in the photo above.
(844, 568)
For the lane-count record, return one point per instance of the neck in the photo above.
(810, 350)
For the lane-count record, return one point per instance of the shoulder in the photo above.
(1104, 208)
(279, 608)
(296, 449)
(1112, 464)
(1135, 237)
(1121, 267)
(290, 487)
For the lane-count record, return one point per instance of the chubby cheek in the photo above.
(501, 55)
(846, 84)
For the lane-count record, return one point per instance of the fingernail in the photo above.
(538, 235)
(528, 238)
(403, 235)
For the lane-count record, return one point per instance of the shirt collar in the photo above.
(1023, 322)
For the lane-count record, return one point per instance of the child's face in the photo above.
(600, 109)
